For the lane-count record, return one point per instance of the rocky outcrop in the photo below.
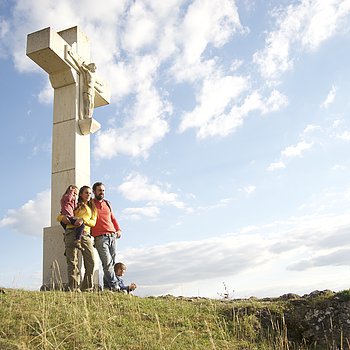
(322, 319)
(319, 320)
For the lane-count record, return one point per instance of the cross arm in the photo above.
(47, 49)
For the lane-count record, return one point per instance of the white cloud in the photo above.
(345, 135)
(217, 112)
(39, 148)
(294, 150)
(339, 167)
(347, 192)
(337, 258)
(305, 25)
(297, 150)
(145, 125)
(4, 28)
(275, 58)
(330, 98)
(276, 166)
(222, 203)
(151, 212)
(325, 19)
(249, 189)
(205, 22)
(136, 187)
(31, 217)
(275, 102)
(46, 95)
(278, 247)
(141, 27)
(338, 130)
(256, 102)
(310, 128)
(217, 94)
(226, 255)
(236, 64)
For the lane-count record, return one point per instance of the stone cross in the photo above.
(65, 56)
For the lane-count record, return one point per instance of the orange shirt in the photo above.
(106, 221)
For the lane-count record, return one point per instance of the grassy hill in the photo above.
(110, 321)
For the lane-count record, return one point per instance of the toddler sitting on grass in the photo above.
(119, 269)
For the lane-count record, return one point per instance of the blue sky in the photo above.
(225, 150)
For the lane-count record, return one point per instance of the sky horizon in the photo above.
(224, 150)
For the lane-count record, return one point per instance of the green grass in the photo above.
(111, 321)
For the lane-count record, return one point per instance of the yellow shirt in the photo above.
(83, 212)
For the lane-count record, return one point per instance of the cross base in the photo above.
(89, 126)
(54, 261)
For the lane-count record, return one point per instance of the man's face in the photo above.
(99, 192)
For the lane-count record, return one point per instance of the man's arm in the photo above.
(114, 220)
(118, 231)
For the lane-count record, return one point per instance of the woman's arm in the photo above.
(89, 217)
(62, 218)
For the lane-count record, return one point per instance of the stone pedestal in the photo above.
(55, 267)
(54, 273)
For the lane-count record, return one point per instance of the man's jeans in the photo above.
(106, 246)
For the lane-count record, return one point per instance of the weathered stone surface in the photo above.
(319, 320)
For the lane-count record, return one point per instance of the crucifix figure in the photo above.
(77, 90)
(88, 85)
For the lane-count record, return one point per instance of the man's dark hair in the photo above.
(96, 184)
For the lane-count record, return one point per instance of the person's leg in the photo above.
(102, 244)
(72, 260)
(113, 249)
(113, 252)
(88, 257)
(79, 231)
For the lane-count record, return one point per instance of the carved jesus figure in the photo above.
(89, 84)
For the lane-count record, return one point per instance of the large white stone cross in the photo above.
(62, 56)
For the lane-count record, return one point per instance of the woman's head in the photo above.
(85, 198)
(85, 194)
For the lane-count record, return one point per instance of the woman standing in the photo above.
(87, 213)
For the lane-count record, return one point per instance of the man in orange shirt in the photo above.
(106, 232)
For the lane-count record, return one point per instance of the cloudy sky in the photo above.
(225, 150)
